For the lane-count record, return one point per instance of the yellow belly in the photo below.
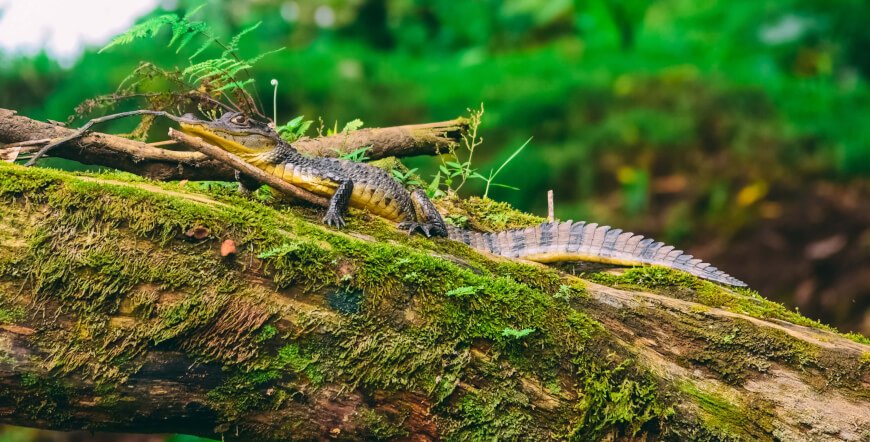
(374, 200)
(363, 197)
(549, 257)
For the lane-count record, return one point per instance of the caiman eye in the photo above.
(240, 120)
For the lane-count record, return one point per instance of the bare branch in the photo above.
(247, 169)
(166, 165)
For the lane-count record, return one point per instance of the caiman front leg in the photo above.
(338, 204)
(429, 221)
(247, 185)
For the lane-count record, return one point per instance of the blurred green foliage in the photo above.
(644, 81)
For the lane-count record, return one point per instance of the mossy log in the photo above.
(162, 164)
(118, 313)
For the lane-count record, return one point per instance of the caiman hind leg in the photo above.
(429, 221)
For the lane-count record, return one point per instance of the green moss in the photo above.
(10, 315)
(47, 398)
(725, 420)
(379, 427)
(736, 300)
(289, 357)
(574, 290)
(618, 397)
(733, 349)
(107, 396)
(241, 393)
(368, 316)
(268, 388)
(266, 333)
(485, 214)
(491, 414)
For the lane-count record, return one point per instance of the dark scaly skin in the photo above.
(345, 183)
(366, 187)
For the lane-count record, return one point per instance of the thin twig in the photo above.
(550, 209)
(30, 143)
(88, 125)
(162, 143)
(246, 169)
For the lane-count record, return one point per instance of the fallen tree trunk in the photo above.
(112, 318)
(166, 165)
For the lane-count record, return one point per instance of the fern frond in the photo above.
(220, 70)
(236, 68)
(234, 42)
(234, 86)
(185, 39)
(142, 30)
(205, 45)
(185, 33)
(300, 131)
(216, 78)
(253, 60)
(207, 68)
(193, 11)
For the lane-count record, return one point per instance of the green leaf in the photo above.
(279, 251)
(303, 128)
(433, 186)
(352, 125)
(235, 85)
(253, 60)
(234, 42)
(516, 334)
(462, 291)
(193, 11)
(202, 47)
(142, 30)
(295, 122)
(516, 152)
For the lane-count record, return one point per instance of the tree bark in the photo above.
(166, 165)
(112, 319)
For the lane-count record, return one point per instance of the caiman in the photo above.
(362, 186)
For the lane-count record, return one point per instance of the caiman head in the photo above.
(233, 132)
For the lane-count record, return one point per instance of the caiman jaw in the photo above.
(217, 137)
(234, 138)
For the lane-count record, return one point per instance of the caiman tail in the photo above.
(569, 241)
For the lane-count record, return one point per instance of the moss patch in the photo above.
(485, 215)
(737, 300)
(724, 420)
(116, 258)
